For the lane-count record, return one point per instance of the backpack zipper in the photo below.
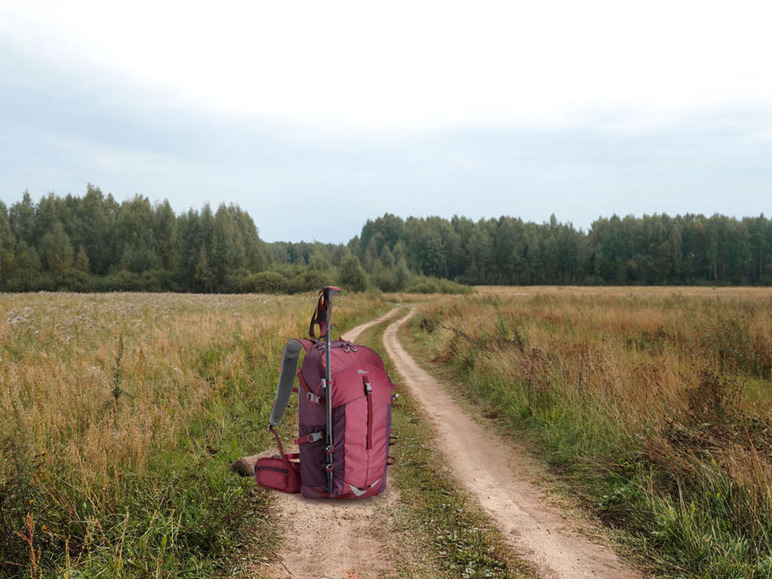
(369, 396)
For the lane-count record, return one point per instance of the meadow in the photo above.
(652, 407)
(120, 416)
(121, 413)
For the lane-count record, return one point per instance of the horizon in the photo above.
(585, 230)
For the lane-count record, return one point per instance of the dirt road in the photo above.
(489, 469)
(336, 539)
(350, 539)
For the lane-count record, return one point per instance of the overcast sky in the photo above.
(316, 116)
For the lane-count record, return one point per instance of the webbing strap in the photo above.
(278, 441)
(314, 399)
(311, 437)
(284, 457)
(319, 317)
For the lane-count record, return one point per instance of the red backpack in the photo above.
(344, 421)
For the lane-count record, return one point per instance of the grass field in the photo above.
(653, 405)
(121, 413)
(120, 416)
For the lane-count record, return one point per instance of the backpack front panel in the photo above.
(367, 400)
(361, 396)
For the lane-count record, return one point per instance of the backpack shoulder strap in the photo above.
(289, 367)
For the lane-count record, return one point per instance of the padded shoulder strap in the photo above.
(289, 366)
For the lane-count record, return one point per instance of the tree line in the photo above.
(650, 250)
(94, 243)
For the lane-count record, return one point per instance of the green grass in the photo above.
(652, 411)
(121, 414)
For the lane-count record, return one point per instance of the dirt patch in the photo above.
(327, 538)
(335, 539)
(536, 530)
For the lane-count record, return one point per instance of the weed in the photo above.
(132, 480)
(650, 405)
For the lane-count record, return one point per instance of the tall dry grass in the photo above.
(120, 414)
(654, 403)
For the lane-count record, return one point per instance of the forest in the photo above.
(95, 243)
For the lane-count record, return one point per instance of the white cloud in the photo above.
(412, 64)
(581, 109)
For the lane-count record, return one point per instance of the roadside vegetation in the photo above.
(122, 412)
(653, 407)
(443, 532)
(120, 416)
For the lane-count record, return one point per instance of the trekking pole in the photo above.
(327, 294)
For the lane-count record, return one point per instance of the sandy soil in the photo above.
(350, 539)
(335, 539)
(537, 531)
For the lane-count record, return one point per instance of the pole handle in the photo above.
(323, 313)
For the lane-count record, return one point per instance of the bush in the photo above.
(265, 282)
(121, 281)
(74, 280)
(29, 281)
(158, 280)
(431, 285)
(309, 280)
(352, 275)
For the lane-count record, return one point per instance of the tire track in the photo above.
(489, 469)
